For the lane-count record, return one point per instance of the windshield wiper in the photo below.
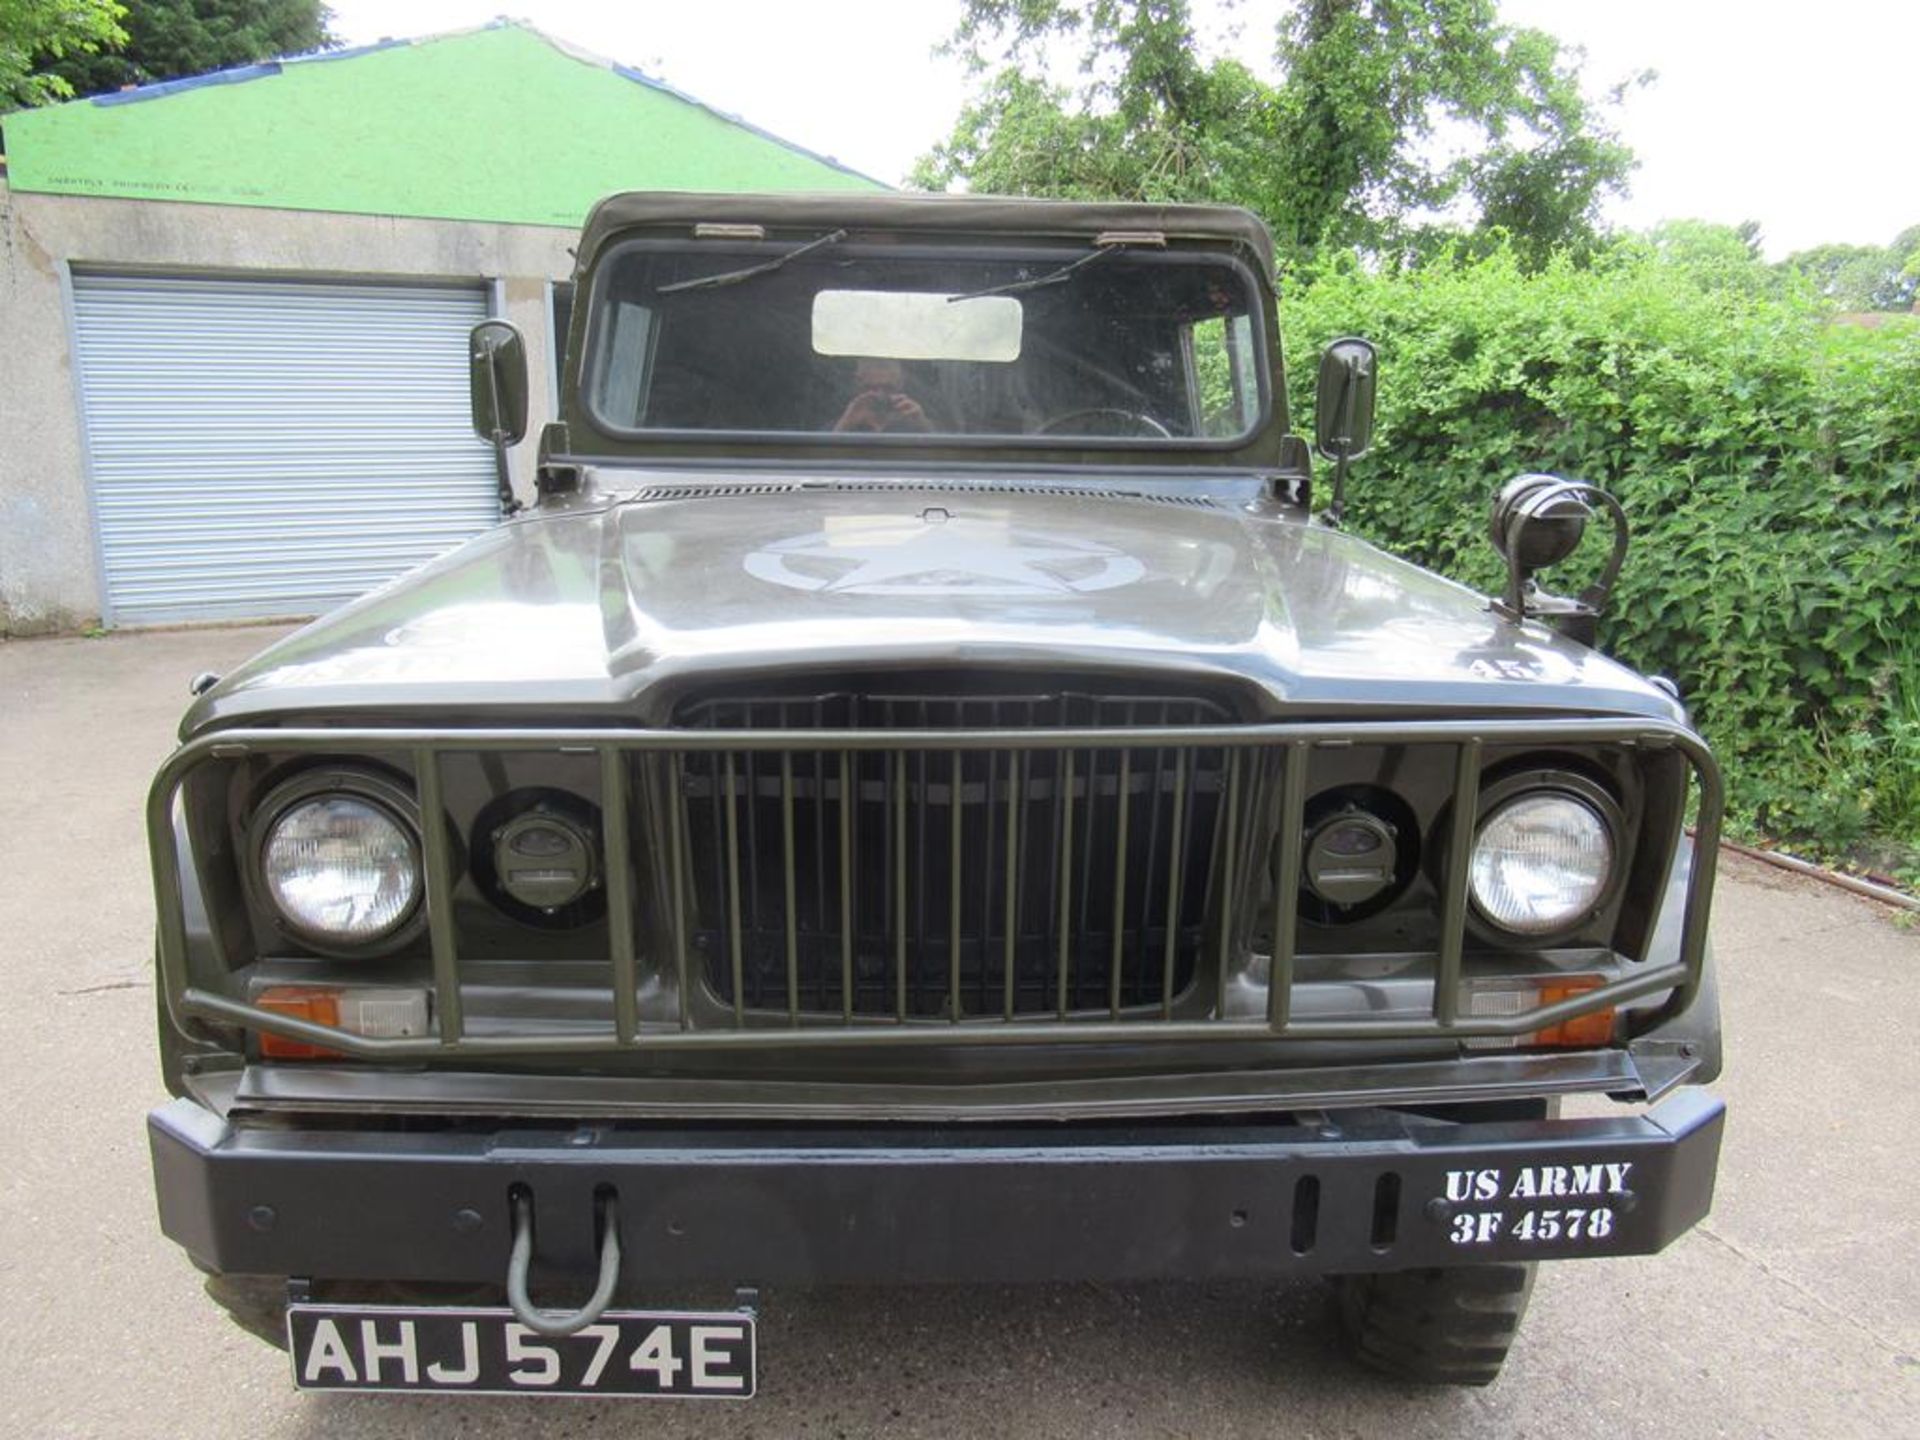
(734, 277)
(1052, 277)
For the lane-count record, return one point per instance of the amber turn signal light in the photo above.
(376, 1011)
(1580, 1030)
(317, 1004)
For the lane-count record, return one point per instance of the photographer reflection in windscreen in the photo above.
(881, 404)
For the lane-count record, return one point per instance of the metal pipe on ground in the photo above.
(1885, 894)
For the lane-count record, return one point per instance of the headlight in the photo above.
(1541, 862)
(341, 869)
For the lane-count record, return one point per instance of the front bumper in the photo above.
(1367, 1190)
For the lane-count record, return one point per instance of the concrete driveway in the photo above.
(1792, 1312)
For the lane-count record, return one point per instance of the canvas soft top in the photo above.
(944, 214)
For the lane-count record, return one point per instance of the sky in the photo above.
(1797, 115)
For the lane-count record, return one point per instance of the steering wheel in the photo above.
(1143, 423)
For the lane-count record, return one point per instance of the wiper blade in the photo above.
(1052, 277)
(734, 277)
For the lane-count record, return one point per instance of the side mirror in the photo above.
(1343, 411)
(1343, 400)
(497, 358)
(497, 378)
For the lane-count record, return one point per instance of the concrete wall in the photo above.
(49, 575)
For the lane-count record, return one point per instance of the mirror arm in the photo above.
(502, 471)
(503, 476)
(1337, 507)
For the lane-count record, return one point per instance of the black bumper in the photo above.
(1368, 1191)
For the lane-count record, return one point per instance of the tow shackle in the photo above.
(559, 1323)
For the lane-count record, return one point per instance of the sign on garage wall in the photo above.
(273, 447)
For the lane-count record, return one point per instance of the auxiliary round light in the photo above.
(341, 868)
(1541, 862)
(1351, 857)
(1539, 520)
(544, 860)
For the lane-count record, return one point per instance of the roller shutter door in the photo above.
(268, 448)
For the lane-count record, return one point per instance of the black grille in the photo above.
(941, 884)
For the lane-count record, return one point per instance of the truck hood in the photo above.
(615, 606)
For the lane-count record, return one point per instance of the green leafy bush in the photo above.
(1769, 462)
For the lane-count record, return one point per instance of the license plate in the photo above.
(488, 1352)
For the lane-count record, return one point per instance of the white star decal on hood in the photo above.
(887, 555)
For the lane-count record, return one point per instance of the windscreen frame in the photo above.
(588, 362)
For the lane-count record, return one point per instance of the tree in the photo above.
(34, 31)
(169, 39)
(1347, 148)
(1864, 277)
(1719, 260)
(1149, 122)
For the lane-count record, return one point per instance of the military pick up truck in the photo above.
(929, 793)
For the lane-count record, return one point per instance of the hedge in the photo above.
(1768, 459)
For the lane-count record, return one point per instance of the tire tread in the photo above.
(1437, 1326)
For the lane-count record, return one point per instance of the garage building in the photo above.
(235, 309)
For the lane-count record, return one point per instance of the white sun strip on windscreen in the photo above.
(916, 325)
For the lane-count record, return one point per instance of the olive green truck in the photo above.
(929, 792)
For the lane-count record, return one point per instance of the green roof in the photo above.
(500, 123)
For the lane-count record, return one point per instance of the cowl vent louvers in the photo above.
(711, 492)
(886, 487)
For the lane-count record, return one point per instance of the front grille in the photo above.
(948, 884)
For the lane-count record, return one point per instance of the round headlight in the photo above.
(1540, 862)
(341, 868)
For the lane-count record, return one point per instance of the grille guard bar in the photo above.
(186, 999)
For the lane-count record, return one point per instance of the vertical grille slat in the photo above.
(1176, 870)
(922, 814)
(1011, 941)
(791, 875)
(1289, 825)
(1229, 851)
(955, 814)
(986, 990)
(1143, 939)
(1117, 956)
(1066, 889)
(613, 806)
(999, 883)
(822, 925)
(1453, 922)
(846, 809)
(736, 945)
(752, 895)
(900, 884)
(439, 895)
(677, 881)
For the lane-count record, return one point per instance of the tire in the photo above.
(256, 1303)
(1436, 1327)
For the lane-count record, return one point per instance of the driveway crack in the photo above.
(1819, 1302)
(109, 985)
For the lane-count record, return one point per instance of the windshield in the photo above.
(830, 339)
